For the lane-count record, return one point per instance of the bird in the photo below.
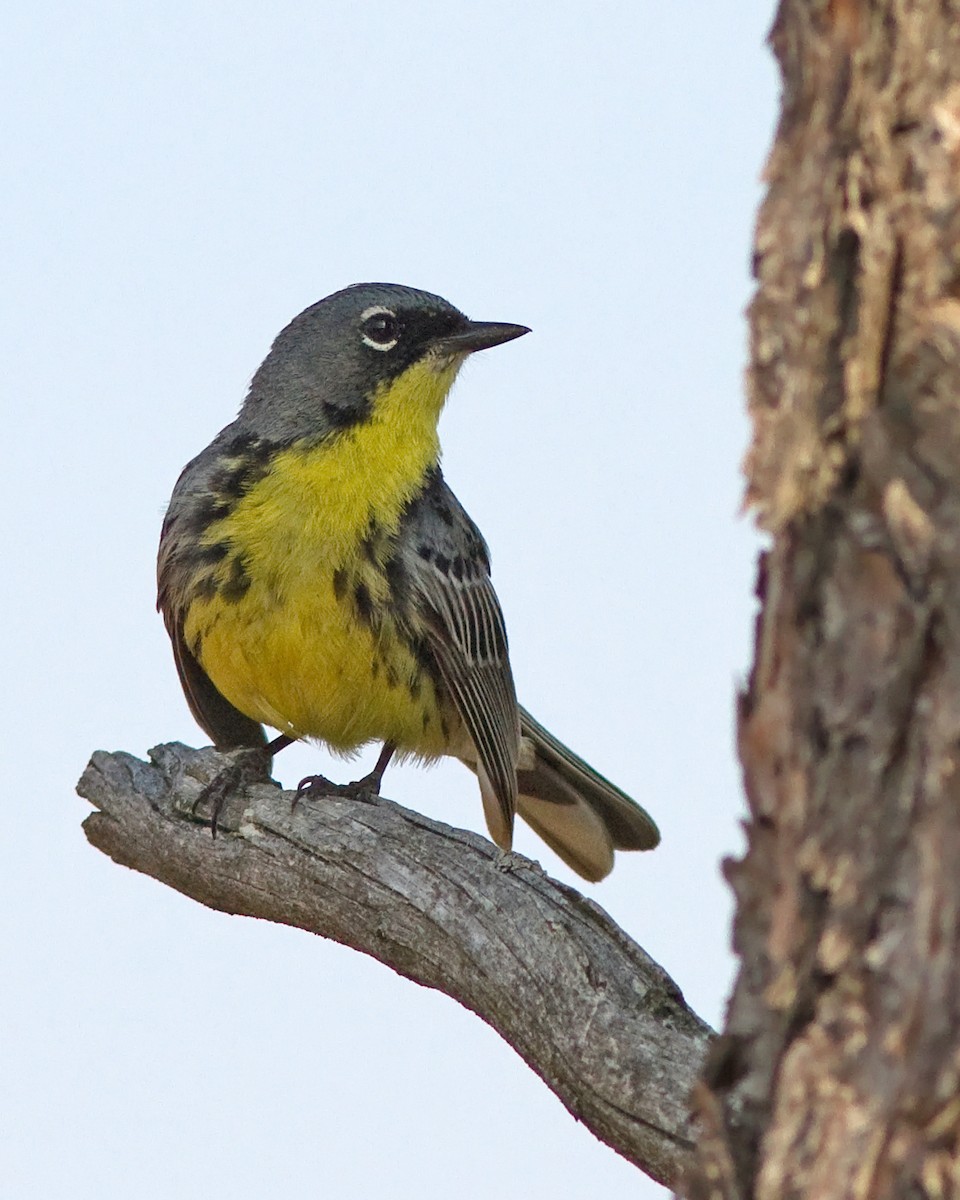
(318, 577)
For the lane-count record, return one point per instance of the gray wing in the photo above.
(447, 571)
(182, 566)
(629, 825)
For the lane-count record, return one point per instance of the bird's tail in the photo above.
(580, 815)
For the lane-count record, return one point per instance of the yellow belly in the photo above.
(303, 664)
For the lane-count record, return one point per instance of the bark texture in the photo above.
(601, 1023)
(839, 1071)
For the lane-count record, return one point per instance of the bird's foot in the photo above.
(366, 789)
(248, 765)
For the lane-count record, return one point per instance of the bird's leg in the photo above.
(360, 789)
(249, 764)
(371, 783)
(280, 742)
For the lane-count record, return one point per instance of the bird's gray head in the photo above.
(324, 368)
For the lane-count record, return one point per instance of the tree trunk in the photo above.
(838, 1073)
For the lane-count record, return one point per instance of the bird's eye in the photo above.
(379, 328)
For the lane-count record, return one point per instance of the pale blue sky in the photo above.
(179, 181)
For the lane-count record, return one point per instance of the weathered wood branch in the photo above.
(601, 1023)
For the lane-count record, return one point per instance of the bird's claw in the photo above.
(248, 765)
(366, 789)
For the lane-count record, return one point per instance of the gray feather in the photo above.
(557, 774)
(208, 484)
(447, 568)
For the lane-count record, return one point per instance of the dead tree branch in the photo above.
(601, 1023)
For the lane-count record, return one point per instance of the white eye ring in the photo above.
(378, 310)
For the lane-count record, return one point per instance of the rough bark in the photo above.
(838, 1074)
(601, 1023)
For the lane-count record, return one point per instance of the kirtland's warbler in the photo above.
(317, 575)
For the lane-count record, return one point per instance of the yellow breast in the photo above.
(297, 628)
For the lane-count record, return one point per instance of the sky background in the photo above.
(180, 180)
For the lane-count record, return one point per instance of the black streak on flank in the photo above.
(204, 588)
(425, 659)
(369, 547)
(363, 603)
(232, 482)
(211, 508)
(244, 461)
(238, 582)
(339, 583)
(433, 493)
(396, 578)
(249, 446)
(214, 553)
